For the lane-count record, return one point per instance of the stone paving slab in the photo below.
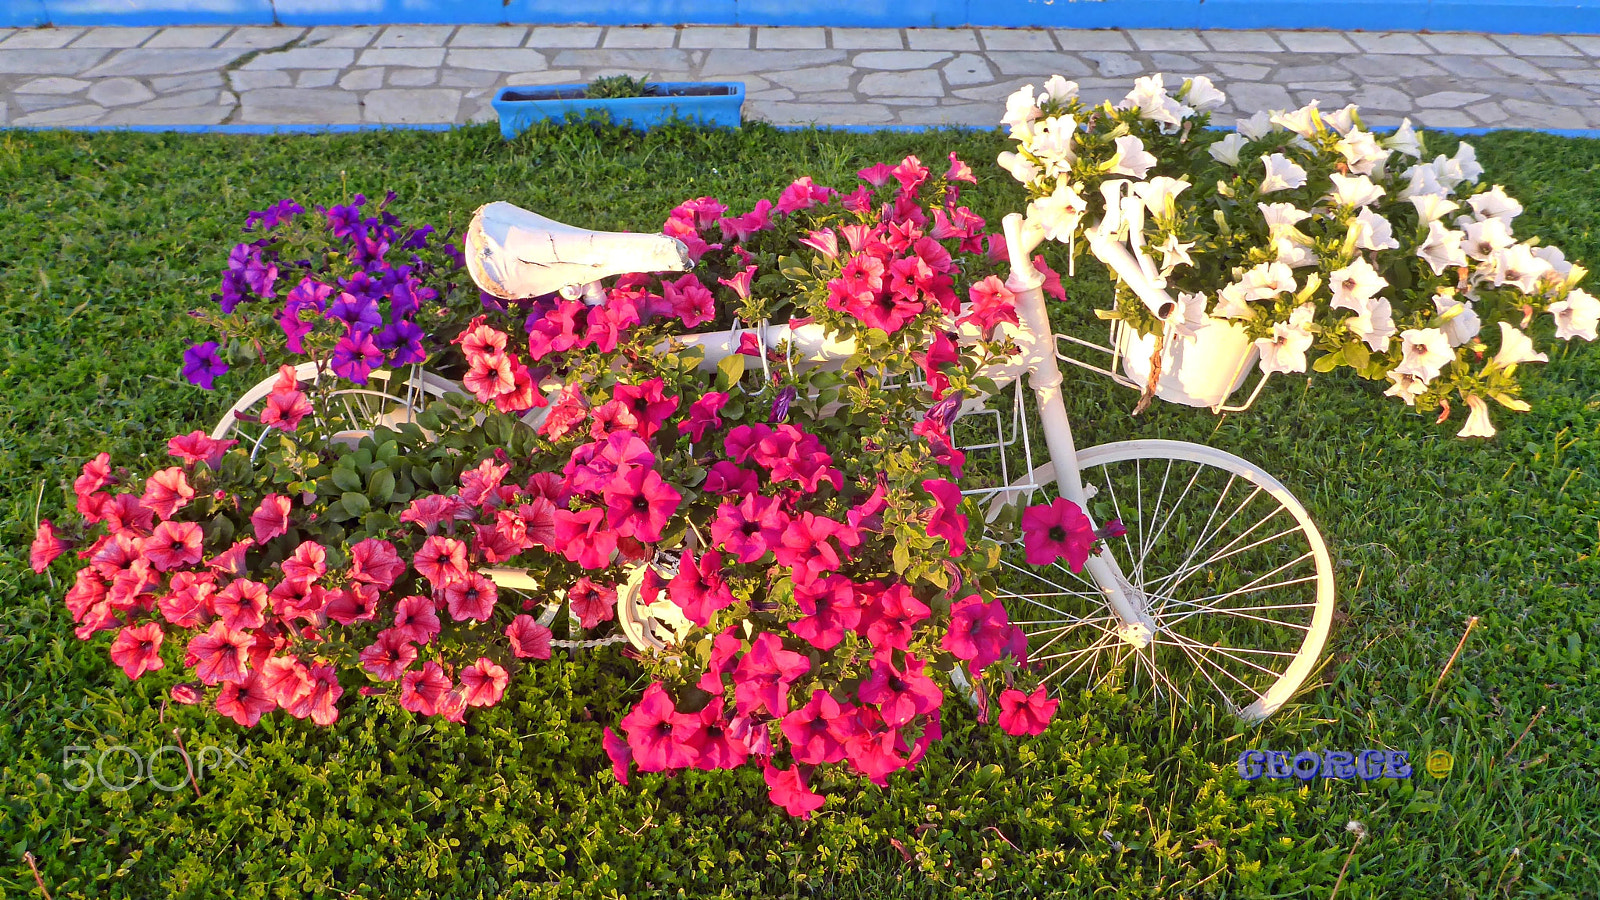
(444, 74)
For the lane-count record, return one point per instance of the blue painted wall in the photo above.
(1502, 16)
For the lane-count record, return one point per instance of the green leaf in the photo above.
(356, 504)
(346, 479)
(1357, 354)
(732, 369)
(1327, 362)
(381, 488)
(902, 557)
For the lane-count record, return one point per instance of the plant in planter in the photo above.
(635, 102)
(1301, 239)
(798, 528)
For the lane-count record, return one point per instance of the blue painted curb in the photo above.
(517, 113)
(1494, 16)
(1589, 133)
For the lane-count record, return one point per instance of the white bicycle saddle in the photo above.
(513, 253)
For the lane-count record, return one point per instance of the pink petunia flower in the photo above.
(318, 703)
(308, 563)
(167, 491)
(441, 560)
(584, 538)
(245, 701)
(483, 683)
(704, 413)
(1055, 532)
(959, 171)
(423, 690)
(137, 649)
(592, 603)
(388, 657)
(749, 529)
(197, 446)
(639, 503)
(698, 588)
(375, 562)
(979, 632)
(434, 510)
(992, 304)
(188, 601)
(221, 653)
(657, 731)
(620, 753)
(271, 518)
(911, 173)
(718, 748)
(761, 679)
(286, 680)
(47, 545)
(946, 522)
(814, 739)
(830, 608)
(891, 615)
(241, 604)
(1028, 714)
(692, 302)
(787, 788)
(417, 619)
(471, 596)
(803, 194)
(724, 655)
(286, 405)
(742, 227)
(173, 544)
(877, 175)
(529, 639)
(900, 694)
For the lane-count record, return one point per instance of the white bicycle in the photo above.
(1220, 590)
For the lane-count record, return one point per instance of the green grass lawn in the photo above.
(107, 239)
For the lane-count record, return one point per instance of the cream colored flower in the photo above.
(1516, 265)
(1282, 215)
(1285, 350)
(1354, 190)
(1227, 150)
(1478, 424)
(1257, 126)
(1159, 194)
(1431, 207)
(1232, 304)
(1442, 249)
(1373, 232)
(1131, 158)
(1466, 162)
(1405, 140)
(1483, 238)
(1302, 121)
(1421, 178)
(1174, 253)
(1341, 120)
(1406, 386)
(1426, 352)
(1201, 94)
(1190, 316)
(1020, 111)
(1268, 280)
(1058, 90)
(1150, 97)
(1354, 284)
(1557, 260)
(1494, 203)
(1293, 249)
(1516, 348)
(1052, 143)
(1058, 214)
(1576, 316)
(1020, 167)
(1461, 327)
(1362, 151)
(1373, 323)
(1282, 174)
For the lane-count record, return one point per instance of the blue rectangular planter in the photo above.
(714, 103)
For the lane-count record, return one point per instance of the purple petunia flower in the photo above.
(202, 365)
(273, 215)
(345, 219)
(355, 356)
(403, 341)
(234, 290)
(368, 248)
(780, 404)
(418, 239)
(356, 312)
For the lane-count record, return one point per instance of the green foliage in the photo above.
(613, 87)
(110, 237)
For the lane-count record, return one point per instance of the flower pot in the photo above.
(1199, 371)
(710, 103)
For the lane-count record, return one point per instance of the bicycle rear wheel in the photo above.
(1236, 577)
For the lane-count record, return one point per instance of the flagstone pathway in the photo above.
(426, 74)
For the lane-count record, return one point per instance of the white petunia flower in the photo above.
(1267, 280)
(1257, 126)
(1341, 120)
(1478, 424)
(1302, 121)
(1373, 323)
(1426, 351)
(1174, 253)
(1361, 150)
(1282, 215)
(1576, 316)
(1421, 178)
(1557, 260)
(1442, 249)
(1282, 174)
(1020, 111)
(1059, 90)
(1354, 190)
(1485, 237)
(1466, 162)
(1150, 97)
(1449, 172)
(1202, 94)
(1131, 158)
(1518, 266)
(1232, 303)
(1373, 232)
(1159, 194)
(1516, 347)
(1406, 386)
(1285, 350)
(1292, 253)
(1464, 325)
(1190, 316)
(1354, 284)
(1227, 150)
(1405, 140)
(1431, 207)
(1020, 167)
(1052, 143)
(1058, 214)
(1495, 204)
